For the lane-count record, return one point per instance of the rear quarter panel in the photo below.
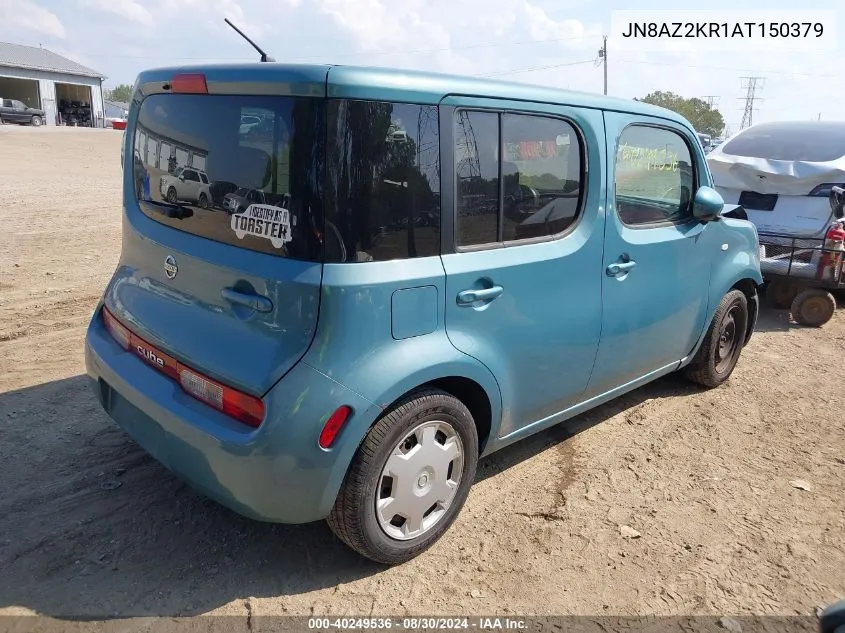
(355, 343)
(738, 259)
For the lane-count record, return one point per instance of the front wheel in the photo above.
(171, 195)
(716, 358)
(409, 479)
(36, 121)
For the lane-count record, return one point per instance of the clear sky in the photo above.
(547, 42)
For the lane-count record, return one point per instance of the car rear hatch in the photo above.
(235, 297)
(782, 174)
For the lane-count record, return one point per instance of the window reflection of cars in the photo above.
(219, 190)
(240, 200)
(248, 122)
(261, 131)
(186, 184)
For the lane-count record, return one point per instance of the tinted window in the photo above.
(7, 103)
(541, 174)
(477, 177)
(541, 163)
(654, 176)
(383, 181)
(808, 141)
(283, 157)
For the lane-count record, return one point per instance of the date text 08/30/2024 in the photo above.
(418, 623)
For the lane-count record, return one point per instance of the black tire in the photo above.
(813, 307)
(716, 358)
(780, 294)
(36, 121)
(353, 518)
(172, 198)
(203, 201)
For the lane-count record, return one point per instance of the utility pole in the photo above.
(603, 58)
(751, 86)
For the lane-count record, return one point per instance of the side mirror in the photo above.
(708, 204)
(837, 202)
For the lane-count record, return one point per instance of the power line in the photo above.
(750, 70)
(750, 84)
(532, 69)
(361, 53)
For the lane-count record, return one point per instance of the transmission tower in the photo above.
(751, 85)
(710, 100)
(428, 149)
(469, 165)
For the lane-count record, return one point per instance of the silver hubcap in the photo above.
(419, 480)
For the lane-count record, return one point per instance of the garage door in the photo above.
(25, 90)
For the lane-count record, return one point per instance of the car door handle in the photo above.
(258, 303)
(468, 297)
(619, 268)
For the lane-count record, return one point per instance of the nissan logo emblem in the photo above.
(170, 267)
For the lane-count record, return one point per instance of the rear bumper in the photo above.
(276, 473)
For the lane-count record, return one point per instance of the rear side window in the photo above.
(803, 141)
(199, 169)
(383, 181)
(654, 176)
(540, 162)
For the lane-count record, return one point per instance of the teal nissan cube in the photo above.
(340, 287)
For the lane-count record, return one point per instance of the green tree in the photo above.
(121, 94)
(697, 111)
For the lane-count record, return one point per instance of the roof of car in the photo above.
(796, 126)
(410, 86)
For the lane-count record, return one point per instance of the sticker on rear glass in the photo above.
(263, 220)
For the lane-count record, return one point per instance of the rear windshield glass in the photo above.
(808, 142)
(243, 170)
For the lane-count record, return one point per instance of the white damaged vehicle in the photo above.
(782, 174)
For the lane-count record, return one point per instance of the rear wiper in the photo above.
(175, 211)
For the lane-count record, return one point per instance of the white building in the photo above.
(69, 93)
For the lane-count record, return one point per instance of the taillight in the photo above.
(823, 191)
(333, 425)
(236, 404)
(119, 333)
(244, 408)
(189, 84)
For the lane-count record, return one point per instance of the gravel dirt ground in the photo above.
(92, 528)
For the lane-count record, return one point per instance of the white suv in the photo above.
(188, 184)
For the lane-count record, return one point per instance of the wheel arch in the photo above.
(749, 284)
(750, 288)
(473, 396)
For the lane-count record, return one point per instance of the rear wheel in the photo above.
(781, 293)
(716, 358)
(36, 121)
(203, 201)
(409, 479)
(813, 307)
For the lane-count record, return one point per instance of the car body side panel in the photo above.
(364, 356)
(738, 261)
